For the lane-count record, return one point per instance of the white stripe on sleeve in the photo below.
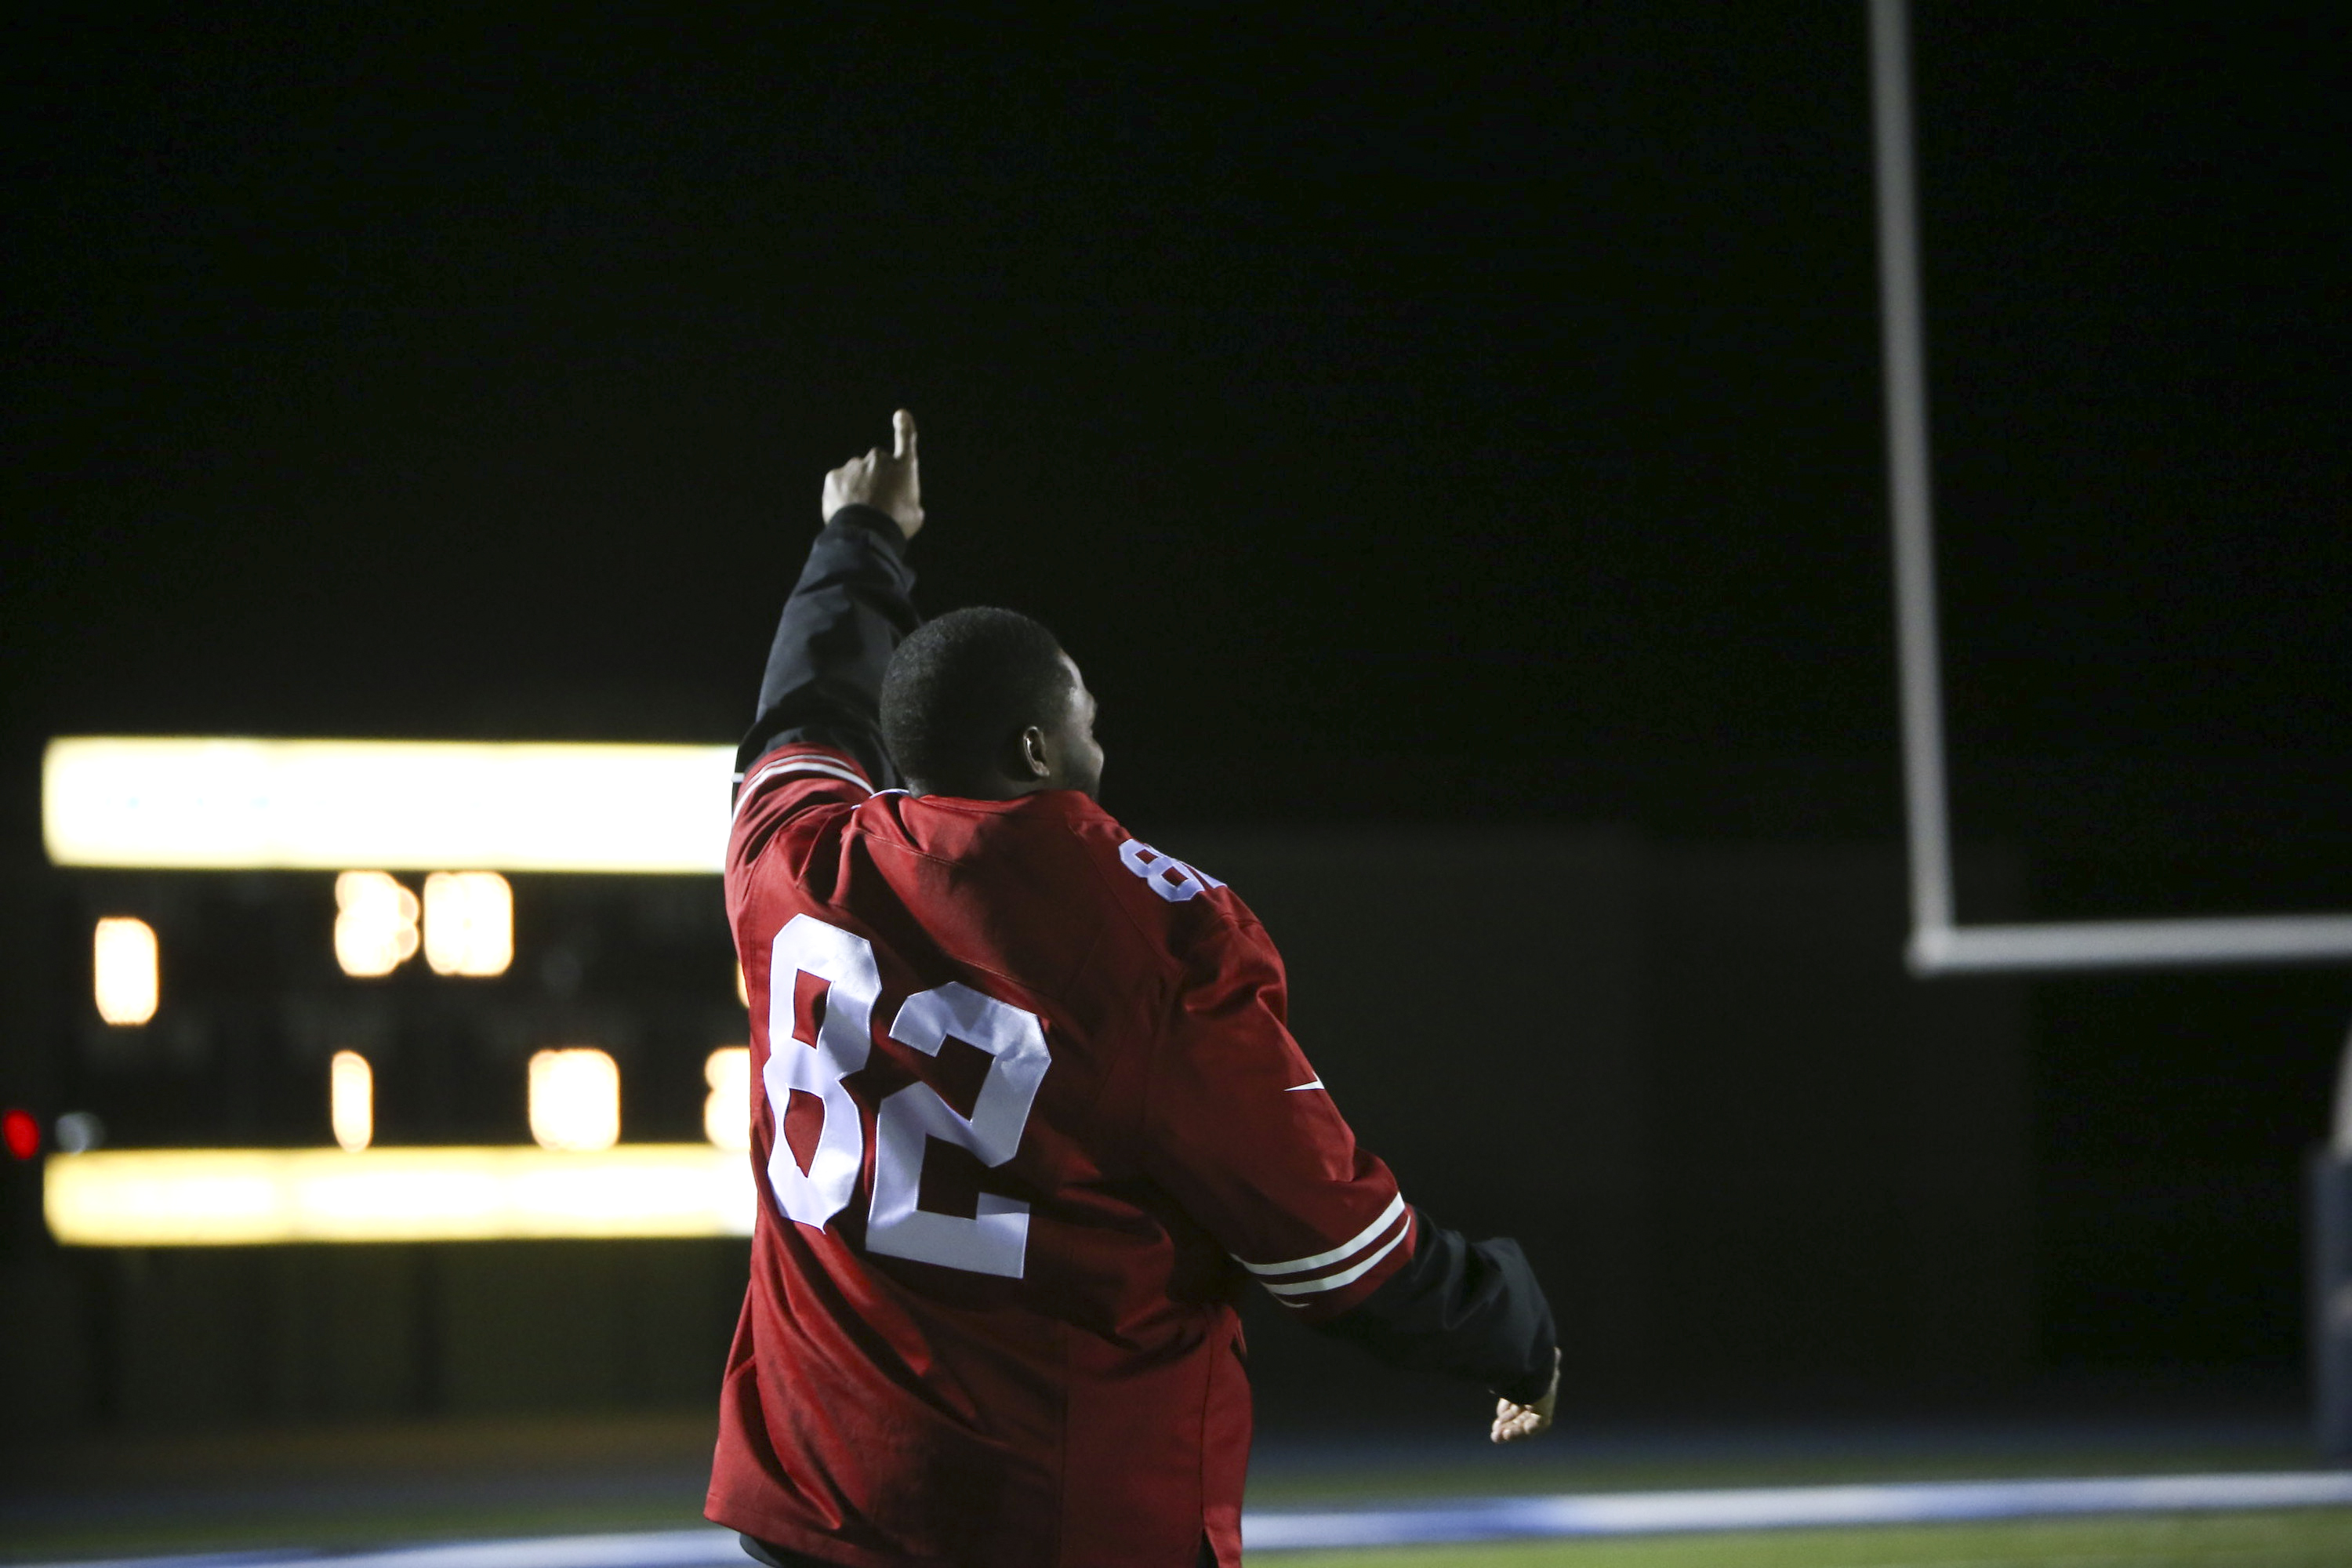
(1345, 1276)
(799, 765)
(1361, 1240)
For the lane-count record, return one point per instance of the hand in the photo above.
(1515, 1422)
(887, 484)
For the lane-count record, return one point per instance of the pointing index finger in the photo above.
(902, 429)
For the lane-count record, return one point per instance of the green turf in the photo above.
(1586, 1472)
(2296, 1537)
(416, 1482)
(2302, 1538)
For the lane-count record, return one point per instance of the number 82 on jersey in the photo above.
(996, 1240)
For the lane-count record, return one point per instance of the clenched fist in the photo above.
(1515, 1422)
(889, 484)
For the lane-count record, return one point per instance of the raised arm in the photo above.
(848, 612)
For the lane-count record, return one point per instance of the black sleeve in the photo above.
(849, 609)
(1470, 1309)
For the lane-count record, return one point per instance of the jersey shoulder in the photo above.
(791, 812)
(1059, 860)
(1178, 909)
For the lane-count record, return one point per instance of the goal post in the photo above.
(1939, 943)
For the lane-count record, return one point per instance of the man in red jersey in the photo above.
(1026, 1121)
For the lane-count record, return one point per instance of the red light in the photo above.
(21, 1133)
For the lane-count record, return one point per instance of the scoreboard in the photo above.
(349, 991)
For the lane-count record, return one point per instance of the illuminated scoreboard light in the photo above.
(351, 1100)
(215, 1197)
(425, 806)
(385, 1069)
(125, 975)
(469, 922)
(575, 1099)
(375, 923)
(727, 1112)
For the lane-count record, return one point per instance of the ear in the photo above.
(1030, 751)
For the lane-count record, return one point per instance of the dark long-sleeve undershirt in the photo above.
(1469, 1309)
(850, 606)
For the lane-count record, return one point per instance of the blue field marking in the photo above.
(266, 1557)
(705, 1547)
(1460, 1520)
(1779, 1507)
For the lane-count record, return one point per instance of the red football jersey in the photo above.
(1025, 1119)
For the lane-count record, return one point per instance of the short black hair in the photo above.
(962, 687)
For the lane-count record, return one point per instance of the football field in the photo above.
(627, 1495)
(2297, 1537)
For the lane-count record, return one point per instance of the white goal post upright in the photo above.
(1939, 943)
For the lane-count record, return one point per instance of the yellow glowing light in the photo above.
(213, 1197)
(726, 1114)
(575, 1099)
(375, 923)
(404, 805)
(123, 970)
(351, 1100)
(469, 922)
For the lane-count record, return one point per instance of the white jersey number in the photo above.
(996, 1240)
(1165, 875)
(844, 1039)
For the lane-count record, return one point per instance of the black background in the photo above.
(1402, 417)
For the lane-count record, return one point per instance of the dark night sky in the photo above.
(1503, 398)
(1398, 417)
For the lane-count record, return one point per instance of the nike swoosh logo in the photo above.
(1311, 1083)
